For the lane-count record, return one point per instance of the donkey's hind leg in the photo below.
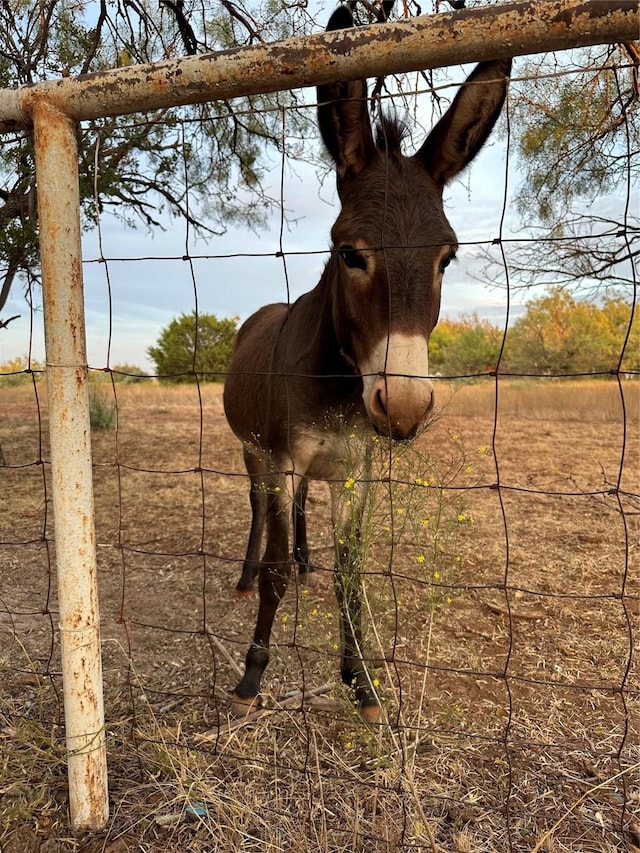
(257, 468)
(300, 546)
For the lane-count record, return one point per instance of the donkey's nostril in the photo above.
(380, 403)
(398, 406)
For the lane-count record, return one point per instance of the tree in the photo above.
(623, 330)
(186, 350)
(205, 163)
(556, 335)
(465, 347)
(201, 163)
(560, 334)
(572, 132)
(577, 140)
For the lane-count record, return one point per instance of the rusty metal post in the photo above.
(73, 508)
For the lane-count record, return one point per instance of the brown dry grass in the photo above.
(510, 690)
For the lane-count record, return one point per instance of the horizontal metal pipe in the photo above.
(467, 35)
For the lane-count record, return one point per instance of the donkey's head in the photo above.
(392, 241)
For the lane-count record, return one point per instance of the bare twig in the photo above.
(543, 840)
(223, 651)
(503, 611)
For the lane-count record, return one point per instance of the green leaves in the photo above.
(187, 349)
(558, 334)
(573, 130)
(464, 347)
(203, 163)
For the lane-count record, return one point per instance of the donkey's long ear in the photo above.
(343, 115)
(465, 127)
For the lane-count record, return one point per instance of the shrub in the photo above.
(185, 350)
(102, 409)
(127, 373)
(18, 371)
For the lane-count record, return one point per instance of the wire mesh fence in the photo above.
(499, 567)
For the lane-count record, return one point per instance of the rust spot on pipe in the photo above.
(595, 9)
(466, 35)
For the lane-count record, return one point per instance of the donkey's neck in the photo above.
(311, 327)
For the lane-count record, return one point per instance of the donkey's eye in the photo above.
(352, 258)
(444, 263)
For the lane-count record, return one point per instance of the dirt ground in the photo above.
(503, 623)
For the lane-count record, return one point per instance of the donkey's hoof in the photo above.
(242, 706)
(244, 593)
(371, 713)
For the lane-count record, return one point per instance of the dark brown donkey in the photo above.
(353, 349)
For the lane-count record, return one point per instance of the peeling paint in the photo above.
(73, 507)
(429, 41)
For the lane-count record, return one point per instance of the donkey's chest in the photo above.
(321, 452)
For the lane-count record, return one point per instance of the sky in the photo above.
(128, 302)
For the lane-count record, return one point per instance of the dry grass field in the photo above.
(502, 595)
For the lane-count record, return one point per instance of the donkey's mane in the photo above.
(390, 133)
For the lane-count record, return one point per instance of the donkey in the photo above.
(353, 350)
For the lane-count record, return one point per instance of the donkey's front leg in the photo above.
(256, 465)
(273, 579)
(347, 510)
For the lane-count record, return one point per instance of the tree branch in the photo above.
(232, 9)
(97, 37)
(186, 31)
(6, 288)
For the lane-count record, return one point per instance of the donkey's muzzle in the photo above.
(398, 406)
(397, 393)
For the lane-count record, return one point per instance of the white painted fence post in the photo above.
(72, 486)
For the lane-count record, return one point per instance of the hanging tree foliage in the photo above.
(202, 163)
(576, 136)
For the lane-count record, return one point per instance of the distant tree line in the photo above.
(22, 369)
(557, 335)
